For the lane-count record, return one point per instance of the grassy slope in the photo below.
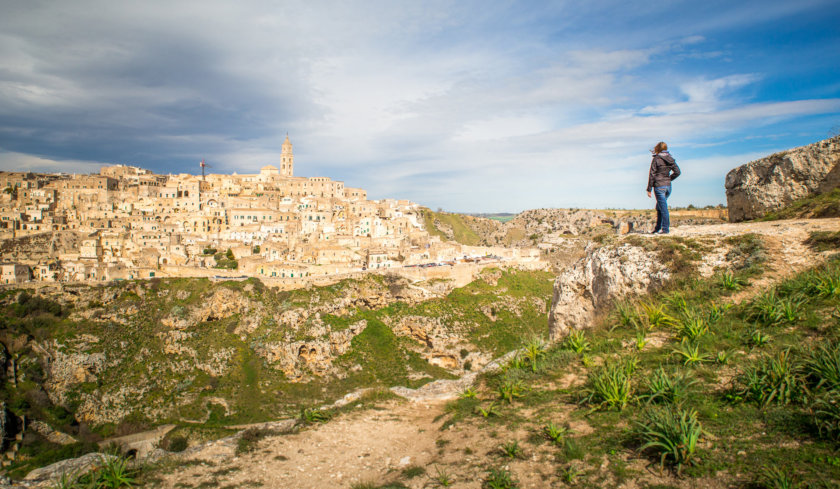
(744, 437)
(461, 230)
(253, 389)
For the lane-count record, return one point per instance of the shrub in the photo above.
(672, 432)
(176, 444)
(609, 386)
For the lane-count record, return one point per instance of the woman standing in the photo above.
(663, 169)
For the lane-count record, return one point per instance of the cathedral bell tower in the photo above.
(287, 158)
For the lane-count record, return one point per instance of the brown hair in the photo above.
(660, 147)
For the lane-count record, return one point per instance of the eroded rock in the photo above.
(754, 189)
(599, 277)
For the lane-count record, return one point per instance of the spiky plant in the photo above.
(777, 478)
(717, 312)
(766, 309)
(757, 338)
(468, 393)
(826, 283)
(534, 351)
(626, 315)
(825, 409)
(500, 479)
(776, 379)
(667, 387)
(689, 352)
(641, 338)
(510, 389)
(672, 432)
(511, 449)
(692, 327)
(655, 315)
(729, 281)
(491, 410)
(609, 386)
(577, 342)
(555, 433)
(823, 367)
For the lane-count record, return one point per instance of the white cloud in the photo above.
(19, 162)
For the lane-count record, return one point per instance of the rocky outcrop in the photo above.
(770, 183)
(76, 466)
(597, 279)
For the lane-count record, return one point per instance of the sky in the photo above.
(468, 106)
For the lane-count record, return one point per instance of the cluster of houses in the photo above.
(130, 223)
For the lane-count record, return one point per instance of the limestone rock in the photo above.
(770, 183)
(50, 434)
(77, 466)
(598, 278)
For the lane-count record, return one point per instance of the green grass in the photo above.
(461, 230)
(219, 361)
(729, 413)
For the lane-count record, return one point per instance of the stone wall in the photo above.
(770, 183)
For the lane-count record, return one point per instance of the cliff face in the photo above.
(770, 183)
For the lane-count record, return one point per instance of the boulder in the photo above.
(596, 280)
(770, 183)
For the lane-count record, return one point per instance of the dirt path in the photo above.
(375, 446)
(362, 446)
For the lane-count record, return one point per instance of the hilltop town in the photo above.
(130, 223)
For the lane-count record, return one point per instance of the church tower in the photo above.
(287, 158)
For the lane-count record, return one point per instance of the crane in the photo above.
(203, 165)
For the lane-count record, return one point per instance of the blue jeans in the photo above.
(663, 221)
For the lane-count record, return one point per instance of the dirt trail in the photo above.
(360, 446)
(376, 445)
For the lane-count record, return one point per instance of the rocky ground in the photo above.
(411, 442)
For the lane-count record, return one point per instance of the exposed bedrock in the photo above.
(770, 183)
(596, 280)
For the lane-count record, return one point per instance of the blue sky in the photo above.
(483, 106)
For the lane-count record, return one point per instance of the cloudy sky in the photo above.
(484, 106)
